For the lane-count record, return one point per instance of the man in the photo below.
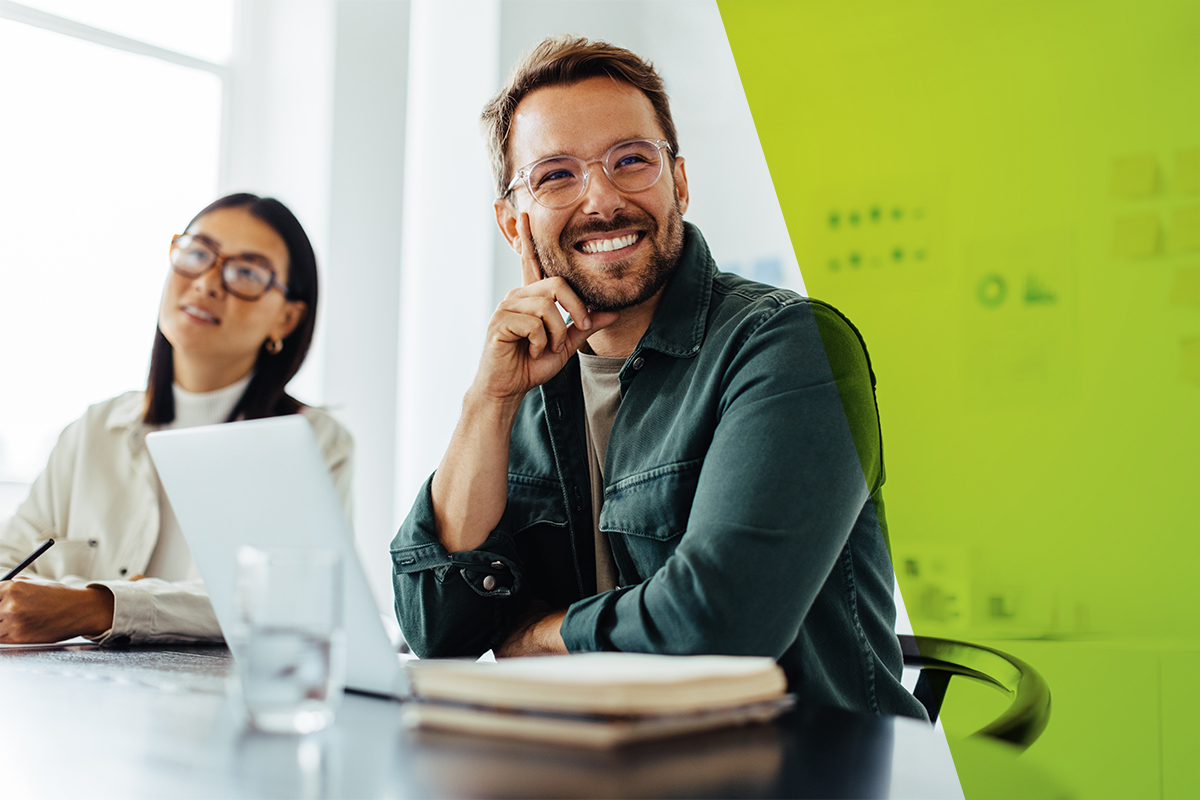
(690, 464)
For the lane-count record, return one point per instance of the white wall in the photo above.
(447, 263)
(279, 125)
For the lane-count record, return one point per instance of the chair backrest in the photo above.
(941, 659)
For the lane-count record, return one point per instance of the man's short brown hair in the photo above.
(562, 61)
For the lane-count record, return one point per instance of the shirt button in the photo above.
(123, 570)
(489, 583)
(638, 362)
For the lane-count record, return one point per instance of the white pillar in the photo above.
(279, 126)
(361, 290)
(446, 245)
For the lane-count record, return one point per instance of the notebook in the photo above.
(265, 483)
(596, 699)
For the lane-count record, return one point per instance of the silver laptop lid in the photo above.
(264, 483)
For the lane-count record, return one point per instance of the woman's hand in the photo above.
(33, 611)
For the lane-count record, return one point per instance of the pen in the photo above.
(29, 559)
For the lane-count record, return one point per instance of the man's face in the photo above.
(645, 229)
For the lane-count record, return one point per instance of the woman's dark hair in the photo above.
(265, 396)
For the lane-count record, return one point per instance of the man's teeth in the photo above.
(607, 245)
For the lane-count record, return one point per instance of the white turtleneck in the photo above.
(172, 560)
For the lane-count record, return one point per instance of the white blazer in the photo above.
(98, 500)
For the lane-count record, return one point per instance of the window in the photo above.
(199, 28)
(104, 154)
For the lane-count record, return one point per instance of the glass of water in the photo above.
(290, 641)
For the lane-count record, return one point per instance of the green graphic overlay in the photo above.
(1005, 199)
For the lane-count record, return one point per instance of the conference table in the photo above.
(80, 720)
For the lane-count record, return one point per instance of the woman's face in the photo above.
(210, 329)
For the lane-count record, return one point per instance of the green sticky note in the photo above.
(1189, 360)
(1185, 291)
(1187, 171)
(1136, 236)
(1135, 176)
(1185, 229)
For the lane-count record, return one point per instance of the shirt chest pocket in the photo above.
(534, 502)
(645, 516)
(68, 557)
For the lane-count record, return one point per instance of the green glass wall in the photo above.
(1005, 198)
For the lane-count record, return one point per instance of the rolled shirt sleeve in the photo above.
(154, 610)
(452, 608)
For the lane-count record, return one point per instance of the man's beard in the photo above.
(599, 292)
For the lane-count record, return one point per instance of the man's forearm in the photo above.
(470, 488)
(539, 634)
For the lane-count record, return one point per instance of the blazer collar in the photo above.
(126, 412)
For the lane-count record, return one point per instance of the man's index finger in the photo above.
(531, 267)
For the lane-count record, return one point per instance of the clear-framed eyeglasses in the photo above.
(244, 276)
(559, 181)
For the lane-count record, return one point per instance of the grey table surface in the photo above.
(154, 723)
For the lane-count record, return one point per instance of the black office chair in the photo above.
(941, 659)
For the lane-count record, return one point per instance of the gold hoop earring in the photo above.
(273, 346)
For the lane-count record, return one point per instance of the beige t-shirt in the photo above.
(601, 378)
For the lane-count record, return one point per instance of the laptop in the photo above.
(264, 483)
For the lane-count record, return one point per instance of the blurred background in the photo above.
(122, 119)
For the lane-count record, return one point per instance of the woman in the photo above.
(235, 324)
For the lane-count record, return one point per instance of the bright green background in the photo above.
(1005, 198)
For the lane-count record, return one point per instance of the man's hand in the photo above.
(527, 340)
(527, 344)
(537, 634)
(32, 611)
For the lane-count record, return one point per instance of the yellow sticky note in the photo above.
(1189, 360)
(1136, 236)
(1186, 289)
(1135, 176)
(1185, 229)
(1187, 171)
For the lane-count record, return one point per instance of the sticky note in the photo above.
(1189, 360)
(1185, 291)
(1135, 176)
(1136, 236)
(1187, 171)
(1185, 229)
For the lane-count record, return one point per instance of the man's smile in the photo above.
(608, 244)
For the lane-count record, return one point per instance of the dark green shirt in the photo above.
(742, 503)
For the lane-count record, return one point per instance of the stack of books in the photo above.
(595, 699)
